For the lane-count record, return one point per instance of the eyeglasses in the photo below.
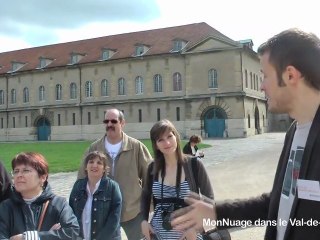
(23, 172)
(113, 121)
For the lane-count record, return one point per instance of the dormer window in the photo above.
(15, 66)
(44, 62)
(107, 53)
(76, 57)
(178, 45)
(247, 43)
(140, 50)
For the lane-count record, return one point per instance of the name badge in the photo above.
(308, 189)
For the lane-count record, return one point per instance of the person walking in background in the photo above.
(128, 159)
(170, 178)
(191, 147)
(290, 65)
(33, 211)
(96, 201)
(5, 183)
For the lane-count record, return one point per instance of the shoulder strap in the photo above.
(194, 166)
(43, 212)
(151, 179)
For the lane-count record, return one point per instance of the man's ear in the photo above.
(291, 75)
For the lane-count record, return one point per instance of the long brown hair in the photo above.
(157, 130)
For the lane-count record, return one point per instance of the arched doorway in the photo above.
(44, 129)
(257, 120)
(214, 122)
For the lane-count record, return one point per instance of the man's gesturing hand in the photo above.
(192, 216)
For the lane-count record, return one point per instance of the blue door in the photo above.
(43, 129)
(215, 127)
(214, 122)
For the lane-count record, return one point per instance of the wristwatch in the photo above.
(216, 234)
(207, 231)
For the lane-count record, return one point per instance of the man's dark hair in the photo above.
(298, 49)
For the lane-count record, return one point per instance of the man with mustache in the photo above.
(128, 159)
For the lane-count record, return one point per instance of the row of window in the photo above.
(105, 88)
(254, 82)
(89, 118)
(178, 118)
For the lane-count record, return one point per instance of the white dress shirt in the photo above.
(86, 214)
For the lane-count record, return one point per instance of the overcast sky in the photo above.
(35, 23)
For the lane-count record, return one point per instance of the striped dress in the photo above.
(156, 221)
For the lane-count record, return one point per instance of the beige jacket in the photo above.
(130, 171)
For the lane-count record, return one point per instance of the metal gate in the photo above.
(214, 122)
(214, 127)
(44, 129)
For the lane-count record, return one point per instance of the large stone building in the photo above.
(203, 81)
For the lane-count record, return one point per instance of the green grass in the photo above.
(61, 156)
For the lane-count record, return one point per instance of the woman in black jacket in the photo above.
(5, 183)
(191, 147)
(33, 211)
(171, 177)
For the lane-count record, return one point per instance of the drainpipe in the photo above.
(80, 98)
(244, 96)
(7, 105)
(241, 63)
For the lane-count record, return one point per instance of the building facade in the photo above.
(203, 81)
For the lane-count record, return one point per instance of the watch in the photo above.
(208, 229)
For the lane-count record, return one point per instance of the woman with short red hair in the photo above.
(33, 211)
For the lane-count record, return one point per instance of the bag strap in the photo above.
(151, 179)
(43, 212)
(194, 165)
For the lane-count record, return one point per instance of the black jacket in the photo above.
(187, 149)
(5, 183)
(266, 206)
(16, 217)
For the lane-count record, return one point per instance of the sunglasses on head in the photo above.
(113, 121)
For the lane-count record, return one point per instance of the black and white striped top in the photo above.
(156, 221)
